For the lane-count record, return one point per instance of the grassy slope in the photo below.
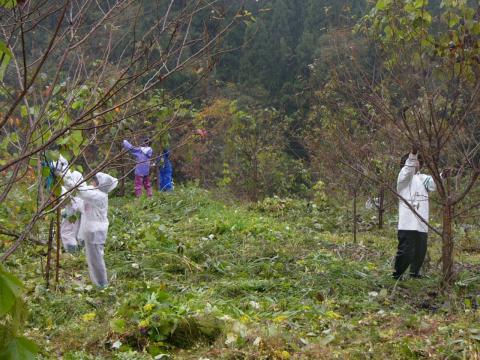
(259, 282)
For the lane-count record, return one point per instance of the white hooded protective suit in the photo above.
(71, 217)
(94, 225)
(61, 166)
(71, 213)
(413, 187)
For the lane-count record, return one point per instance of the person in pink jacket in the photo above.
(143, 155)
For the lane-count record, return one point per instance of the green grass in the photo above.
(262, 281)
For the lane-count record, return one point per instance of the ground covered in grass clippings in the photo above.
(197, 277)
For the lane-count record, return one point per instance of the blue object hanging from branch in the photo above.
(48, 172)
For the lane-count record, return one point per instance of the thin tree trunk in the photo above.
(255, 178)
(355, 217)
(381, 207)
(447, 245)
(57, 260)
(49, 253)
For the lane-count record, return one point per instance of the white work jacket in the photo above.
(95, 208)
(413, 187)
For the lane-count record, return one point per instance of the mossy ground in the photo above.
(264, 281)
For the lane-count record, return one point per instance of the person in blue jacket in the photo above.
(165, 180)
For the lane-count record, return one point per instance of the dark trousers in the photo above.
(412, 248)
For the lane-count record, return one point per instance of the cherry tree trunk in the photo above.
(57, 235)
(49, 252)
(447, 245)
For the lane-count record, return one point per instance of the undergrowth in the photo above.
(193, 276)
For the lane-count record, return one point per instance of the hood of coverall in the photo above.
(76, 177)
(106, 183)
(61, 165)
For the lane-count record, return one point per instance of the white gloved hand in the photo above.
(68, 183)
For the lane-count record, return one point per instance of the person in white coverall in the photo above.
(414, 187)
(71, 216)
(94, 224)
(71, 213)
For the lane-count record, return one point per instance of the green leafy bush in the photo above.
(155, 321)
(12, 317)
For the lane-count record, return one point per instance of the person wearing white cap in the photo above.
(94, 225)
